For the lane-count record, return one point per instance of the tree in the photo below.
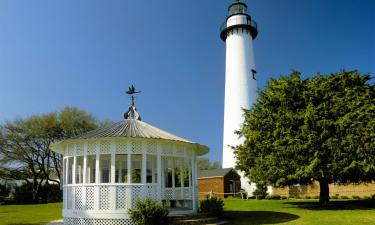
(316, 129)
(205, 164)
(24, 145)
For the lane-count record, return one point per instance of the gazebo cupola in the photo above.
(107, 169)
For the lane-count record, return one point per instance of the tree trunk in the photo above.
(324, 192)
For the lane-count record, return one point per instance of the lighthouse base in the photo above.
(250, 187)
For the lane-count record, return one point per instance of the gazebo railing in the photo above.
(114, 197)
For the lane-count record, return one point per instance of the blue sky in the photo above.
(86, 53)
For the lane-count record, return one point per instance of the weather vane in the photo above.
(131, 91)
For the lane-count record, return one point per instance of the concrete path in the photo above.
(56, 222)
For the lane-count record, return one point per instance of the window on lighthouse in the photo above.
(237, 8)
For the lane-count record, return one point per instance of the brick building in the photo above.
(219, 181)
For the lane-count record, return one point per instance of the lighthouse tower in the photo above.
(238, 32)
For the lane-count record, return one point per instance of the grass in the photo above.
(237, 211)
(299, 212)
(30, 214)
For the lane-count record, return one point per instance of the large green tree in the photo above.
(316, 129)
(24, 145)
(205, 164)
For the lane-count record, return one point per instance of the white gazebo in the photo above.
(107, 169)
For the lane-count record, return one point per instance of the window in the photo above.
(177, 172)
(121, 175)
(136, 168)
(91, 169)
(64, 170)
(79, 170)
(105, 168)
(186, 172)
(151, 169)
(70, 170)
(168, 162)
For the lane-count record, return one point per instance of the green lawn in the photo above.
(237, 211)
(30, 214)
(301, 212)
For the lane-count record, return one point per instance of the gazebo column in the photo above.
(193, 174)
(84, 179)
(112, 189)
(129, 177)
(182, 178)
(65, 197)
(129, 166)
(74, 177)
(144, 170)
(173, 179)
(158, 166)
(153, 170)
(97, 177)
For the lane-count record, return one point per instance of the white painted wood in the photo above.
(158, 162)
(103, 198)
(97, 176)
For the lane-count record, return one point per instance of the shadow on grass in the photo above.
(335, 205)
(258, 217)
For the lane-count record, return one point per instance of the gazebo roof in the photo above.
(131, 128)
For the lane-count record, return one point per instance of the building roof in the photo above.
(215, 172)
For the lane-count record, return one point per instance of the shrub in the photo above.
(50, 193)
(344, 197)
(366, 197)
(335, 197)
(307, 197)
(23, 193)
(284, 197)
(260, 191)
(4, 190)
(356, 197)
(149, 212)
(373, 196)
(315, 197)
(273, 197)
(212, 206)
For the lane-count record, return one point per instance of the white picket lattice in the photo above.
(91, 148)
(121, 147)
(79, 149)
(90, 195)
(152, 148)
(78, 199)
(122, 197)
(105, 147)
(104, 199)
(91, 221)
(136, 147)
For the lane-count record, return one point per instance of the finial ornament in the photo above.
(132, 112)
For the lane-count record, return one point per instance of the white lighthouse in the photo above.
(238, 32)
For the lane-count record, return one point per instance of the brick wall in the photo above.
(312, 190)
(214, 184)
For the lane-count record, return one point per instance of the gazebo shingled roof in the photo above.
(134, 128)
